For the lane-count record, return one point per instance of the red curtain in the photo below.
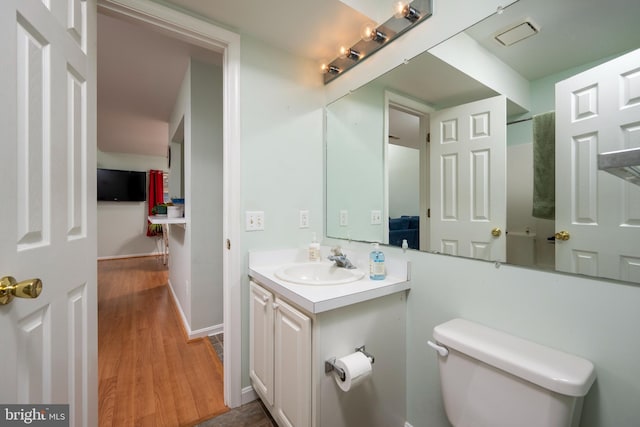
(155, 195)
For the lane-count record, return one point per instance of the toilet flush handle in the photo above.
(442, 350)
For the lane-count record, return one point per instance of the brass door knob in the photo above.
(10, 288)
(562, 235)
(496, 232)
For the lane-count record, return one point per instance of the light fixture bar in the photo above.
(374, 37)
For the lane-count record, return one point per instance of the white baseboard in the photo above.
(199, 333)
(218, 330)
(248, 395)
(208, 331)
(406, 424)
(104, 258)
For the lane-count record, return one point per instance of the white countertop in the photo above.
(321, 298)
(163, 219)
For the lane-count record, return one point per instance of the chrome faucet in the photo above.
(340, 258)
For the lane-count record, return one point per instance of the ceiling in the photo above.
(139, 76)
(572, 33)
(140, 71)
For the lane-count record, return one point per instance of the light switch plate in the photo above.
(344, 218)
(254, 220)
(304, 218)
(376, 217)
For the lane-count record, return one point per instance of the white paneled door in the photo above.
(598, 111)
(48, 345)
(468, 180)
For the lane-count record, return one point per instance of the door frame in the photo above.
(422, 110)
(195, 31)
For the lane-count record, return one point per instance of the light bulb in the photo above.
(399, 8)
(344, 51)
(347, 52)
(330, 69)
(402, 9)
(370, 32)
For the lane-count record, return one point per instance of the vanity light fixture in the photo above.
(375, 36)
(351, 53)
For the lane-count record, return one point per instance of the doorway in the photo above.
(155, 17)
(406, 171)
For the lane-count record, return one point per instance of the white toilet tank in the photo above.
(493, 379)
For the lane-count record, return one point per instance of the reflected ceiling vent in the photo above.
(516, 33)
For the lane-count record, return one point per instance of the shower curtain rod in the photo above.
(519, 121)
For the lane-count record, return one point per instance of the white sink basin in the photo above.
(318, 273)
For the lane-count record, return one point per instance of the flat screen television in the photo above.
(121, 186)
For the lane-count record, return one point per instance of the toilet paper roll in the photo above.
(356, 367)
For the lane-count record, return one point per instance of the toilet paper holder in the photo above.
(330, 364)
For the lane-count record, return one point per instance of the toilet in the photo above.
(492, 379)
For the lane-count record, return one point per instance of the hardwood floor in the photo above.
(149, 375)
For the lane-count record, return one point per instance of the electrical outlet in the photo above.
(254, 220)
(344, 218)
(376, 217)
(304, 218)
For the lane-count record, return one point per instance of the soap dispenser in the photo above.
(314, 249)
(376, 263)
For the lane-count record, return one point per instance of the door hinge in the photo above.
(228, 244)
(429, 137)
(429, 213)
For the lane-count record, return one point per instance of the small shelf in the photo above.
(160, 219)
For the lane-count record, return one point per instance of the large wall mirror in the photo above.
(516, 110)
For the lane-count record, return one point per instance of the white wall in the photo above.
(180, 238)
(404, 180)
(195, 272)
(122, 226)
(356, 122)
(281, 108)
(205, 199)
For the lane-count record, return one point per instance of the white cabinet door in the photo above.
(468, 179)
(261, 341)
(293, 366)
(598, 111)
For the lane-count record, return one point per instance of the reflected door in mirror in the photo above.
(468, 179)
(597, 111)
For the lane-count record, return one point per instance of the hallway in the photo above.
(148, 373)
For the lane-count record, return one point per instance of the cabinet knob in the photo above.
(276, 306)
(265, 298)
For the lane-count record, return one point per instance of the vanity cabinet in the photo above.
(280, 357)
(294, 329)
